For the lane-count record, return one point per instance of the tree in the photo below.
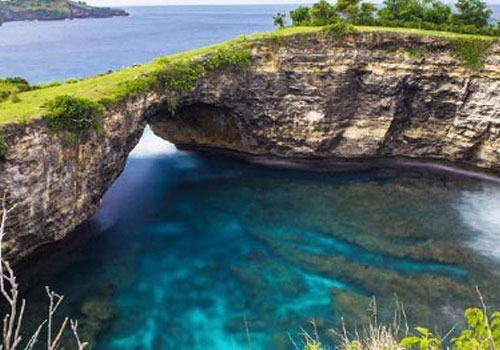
(402, 11)
(279, 20)
(300, 16)
(366, 13)
(437, 12)
(472, 12)
(322, 13)
(347, 9)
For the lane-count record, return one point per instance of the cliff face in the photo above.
(370, 95)
(56, 184)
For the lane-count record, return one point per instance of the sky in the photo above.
(190, 2)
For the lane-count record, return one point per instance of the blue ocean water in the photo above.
(200, 251)
(58, 50)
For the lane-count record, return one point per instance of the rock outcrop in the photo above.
(369, 96)
(57, 183)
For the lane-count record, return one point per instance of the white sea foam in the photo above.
(480, 211)
(152, 146)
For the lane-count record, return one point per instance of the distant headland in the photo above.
(47, 10)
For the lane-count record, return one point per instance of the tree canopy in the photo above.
(466, 16)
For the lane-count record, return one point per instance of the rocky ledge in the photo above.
(367, 97)
(371, 95)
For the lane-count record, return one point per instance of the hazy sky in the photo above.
(190, 2)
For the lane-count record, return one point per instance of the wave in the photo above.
(480, 211)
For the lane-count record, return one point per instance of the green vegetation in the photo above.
(471, 51)
(415, 53)
(178, 77)
(279, 20)
(468, 16)
(19, 10)
(10, 87)
(178, 80)
(339, 29)
(481, 332)
(73, 114)
(235, 57)
(4, 147)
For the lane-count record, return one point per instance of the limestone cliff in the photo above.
(55, 184)
(369, 95)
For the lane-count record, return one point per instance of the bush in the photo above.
(322, 13)
(140, 85)
(482, 333)
(74, 114)
(279, 20)
(232, 57)
(471, 51)
(339, 29)
(300, 16)
(177, 80)
(179, 77)
(4, 146)
(10, 87)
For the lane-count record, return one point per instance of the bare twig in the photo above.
(74, 328)
(13, 320)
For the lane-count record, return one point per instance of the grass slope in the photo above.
(32, 103)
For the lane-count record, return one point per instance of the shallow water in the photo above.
(189, 249)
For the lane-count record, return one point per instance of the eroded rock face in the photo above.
(368, 96)
(371, 95)
(56, 185)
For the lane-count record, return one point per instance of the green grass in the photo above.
(32, 103)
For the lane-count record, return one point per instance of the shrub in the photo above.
(177, 80)
(74, 114)
(179, 77)
(415, 53)
(69, 138)
(279, 20)
(140, 85)
(9, 87)
(4, 146)
(233, 57)
(300, 16)
(482, 333)
(339, 29)
(322, 13)
(15, 98)
(471, 51)
(47, 85)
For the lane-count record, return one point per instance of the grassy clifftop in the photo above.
(23, 105)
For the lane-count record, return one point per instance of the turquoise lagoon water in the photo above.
(196, 251)
(190, 249)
